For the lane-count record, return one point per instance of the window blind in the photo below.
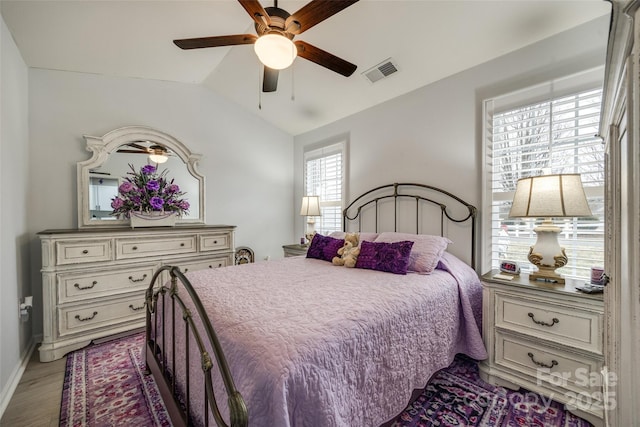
(324, 177)
(553, 136)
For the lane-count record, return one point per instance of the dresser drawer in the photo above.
(569, 325)
(92, 284)
(160, 246)
(215, 242)
(549, 366)
(188, 266)
(100, 314)
(81, 251)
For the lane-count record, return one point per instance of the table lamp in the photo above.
(310, 208)
(549, 196)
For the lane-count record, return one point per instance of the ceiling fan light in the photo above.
(275, 51)
(158, 158)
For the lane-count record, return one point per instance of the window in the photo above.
(557, 135)
(324, 177)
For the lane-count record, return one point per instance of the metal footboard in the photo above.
(166, 312)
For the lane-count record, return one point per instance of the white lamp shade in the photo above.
(550, 196)
(310, 206)
(158, 158)
(275, 51)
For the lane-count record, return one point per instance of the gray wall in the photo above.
(15, 181)
(433, 135)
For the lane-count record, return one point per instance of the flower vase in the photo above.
(152, 219)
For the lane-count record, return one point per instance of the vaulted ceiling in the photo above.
(428, 40)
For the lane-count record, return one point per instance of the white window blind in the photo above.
(553, 136)
(324, 177)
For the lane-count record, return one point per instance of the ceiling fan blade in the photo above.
(270, 80)
(132, 151)
(216, 41)
(313, 13)
(256, 11)
(325, 58)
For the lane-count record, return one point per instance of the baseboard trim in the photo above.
(16, 376)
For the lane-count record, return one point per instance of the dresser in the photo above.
(94, 281)
(546, 338)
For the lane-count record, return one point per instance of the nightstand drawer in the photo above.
(547, 365)
(569, 325)
(81, 251)
(159, 246)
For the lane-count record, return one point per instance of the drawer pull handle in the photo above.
(82, 288)
(84, 319)
(144, 276)
(215, 242)
(542, 322)
(542, 364)
(136, 308)
(86, 251)
(135, 248)
(182, 244)
(186, 269)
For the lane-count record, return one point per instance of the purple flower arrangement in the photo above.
(148, 191)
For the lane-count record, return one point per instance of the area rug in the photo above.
(457, 396)
(105, 385)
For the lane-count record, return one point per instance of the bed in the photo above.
(302, 342)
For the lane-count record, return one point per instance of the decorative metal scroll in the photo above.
(396, 192)
(162, 317)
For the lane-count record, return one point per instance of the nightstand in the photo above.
(294, 250)
(546, 338)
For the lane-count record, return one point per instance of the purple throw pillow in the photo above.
(324, 247)
(389, 257)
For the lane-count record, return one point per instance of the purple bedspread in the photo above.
(312, 344)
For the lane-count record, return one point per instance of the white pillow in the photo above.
(425, 253)
(369, 237)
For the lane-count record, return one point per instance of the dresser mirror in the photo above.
(100, 176)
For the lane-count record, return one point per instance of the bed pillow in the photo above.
(324, 247)
(381, 256)
(370, 237)
(426, 251)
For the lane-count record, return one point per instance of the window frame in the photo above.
(552, 90)
(320, 150)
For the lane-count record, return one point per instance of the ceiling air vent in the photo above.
(380, 71)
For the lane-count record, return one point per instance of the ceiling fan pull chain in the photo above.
(259, 86)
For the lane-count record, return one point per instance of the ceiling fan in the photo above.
(274, 43)
(157, 153)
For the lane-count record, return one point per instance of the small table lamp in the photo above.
(310, 208)
(549, 196)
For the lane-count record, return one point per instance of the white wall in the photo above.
(433, 135)
(246, 162)
(15, 336)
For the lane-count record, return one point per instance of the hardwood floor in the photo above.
(36, 401)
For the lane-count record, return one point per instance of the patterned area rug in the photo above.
(105, 385)
(456, 396)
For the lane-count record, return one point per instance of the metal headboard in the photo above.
(395, 192)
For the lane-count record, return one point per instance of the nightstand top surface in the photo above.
(296, 246)
(522, 281)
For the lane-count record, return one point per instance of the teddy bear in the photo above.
(348, 253)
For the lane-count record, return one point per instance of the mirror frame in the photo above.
(102, 147)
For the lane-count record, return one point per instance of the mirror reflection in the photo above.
(115, 169)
